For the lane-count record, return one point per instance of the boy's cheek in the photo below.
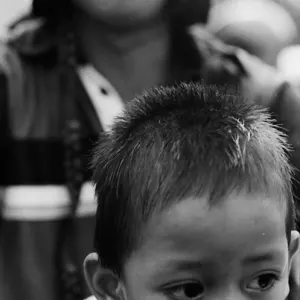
(284, 286)
(294, 263)
(294, 276)
(287, 290)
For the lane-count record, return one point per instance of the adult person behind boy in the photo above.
(202, 206)
(65, 72)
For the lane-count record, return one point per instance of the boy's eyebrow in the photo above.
(264, 257)
(271, 256)
(183, 264)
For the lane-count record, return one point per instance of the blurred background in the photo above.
(266, 31)
(11, 10)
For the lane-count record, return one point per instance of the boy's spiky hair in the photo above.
(176, 142)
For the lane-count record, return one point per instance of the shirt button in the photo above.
(104, 91)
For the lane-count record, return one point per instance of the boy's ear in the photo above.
(294, 248)
(103, 283)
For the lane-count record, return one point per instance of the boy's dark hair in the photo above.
(176, 142)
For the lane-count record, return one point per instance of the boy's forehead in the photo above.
(239, 222)
(234, 239)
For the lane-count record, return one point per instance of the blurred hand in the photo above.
(255, 80)
(232, 66)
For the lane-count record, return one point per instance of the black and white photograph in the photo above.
(149, 149)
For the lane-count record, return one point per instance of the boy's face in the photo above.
(233, 250)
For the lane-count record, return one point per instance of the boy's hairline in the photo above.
(280, 203)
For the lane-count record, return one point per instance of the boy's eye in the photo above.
(263, 282)
(188, 291)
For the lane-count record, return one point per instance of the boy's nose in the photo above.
(229, 297)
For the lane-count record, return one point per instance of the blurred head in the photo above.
(194, 201)
(126, 12)
(262, 28)
(293, 7)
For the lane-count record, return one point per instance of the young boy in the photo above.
(194, 201)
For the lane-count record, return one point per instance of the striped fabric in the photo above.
(45, 202)
(33, 182)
